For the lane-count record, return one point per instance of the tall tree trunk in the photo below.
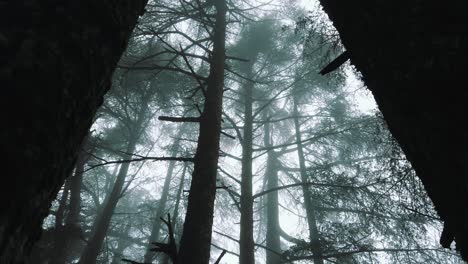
(273, 242)
(315, 245)
(160, 211)
(246, 242)
(70, 49)
(196, 238)
(101, 225)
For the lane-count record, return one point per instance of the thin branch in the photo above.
(179, 119)
(183, 159)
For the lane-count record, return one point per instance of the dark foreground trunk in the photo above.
(56, 62)
(412, 55)
(195, 243)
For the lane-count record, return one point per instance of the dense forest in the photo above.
(220, 141)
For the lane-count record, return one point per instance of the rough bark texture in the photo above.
(196, 238)
(56, 61)
(412, 55)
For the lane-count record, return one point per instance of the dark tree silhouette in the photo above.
(56, 62)
(414, 64)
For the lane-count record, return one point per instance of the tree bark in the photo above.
(415, 67)
(273, 226)
(309, 204)
(70, 50)
(196, 238)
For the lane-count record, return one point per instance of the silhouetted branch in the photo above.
(304, 183)
(220, 257)
(179, 119)
(336, 63)
(170, 248)
(227, 135)
(183, 159)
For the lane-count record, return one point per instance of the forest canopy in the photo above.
(220, 142)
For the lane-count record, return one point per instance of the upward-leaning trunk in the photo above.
(246, 242)
(273, 242)
(195, 244)
(161, 209)
(101, 225)
(315, 245)
(56, 62)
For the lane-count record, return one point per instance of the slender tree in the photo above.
(199, 216)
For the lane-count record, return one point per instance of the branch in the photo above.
(170, 248)
(336, 63)
(303, 184)
(183, 159)
(227, 135)
(220, 257)
(179, 119)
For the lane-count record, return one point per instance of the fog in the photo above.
(291, 166)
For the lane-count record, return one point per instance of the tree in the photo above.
(55, 48)
(199, 216)
(134, 118)
(397, 74)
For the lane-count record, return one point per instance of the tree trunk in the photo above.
(196, 238)
(70, 50)
(161, 210)
(309, 205)
(246, 242)
(272, 233)
(101, 225)
(415, 67)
